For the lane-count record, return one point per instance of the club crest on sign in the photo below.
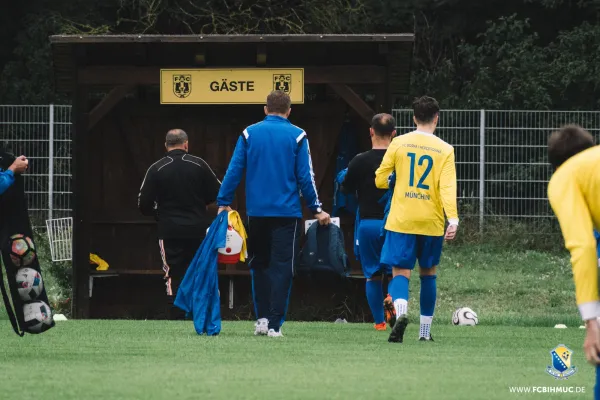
(282, 82)
(182, 85)
(562, 367)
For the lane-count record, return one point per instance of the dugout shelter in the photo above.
(128, 90)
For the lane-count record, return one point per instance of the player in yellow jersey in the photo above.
(425, 190)
(573, 194)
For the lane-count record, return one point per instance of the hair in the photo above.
(425, 109)
(176, 137)
(567, 142)
(383, 125)
(278, 102)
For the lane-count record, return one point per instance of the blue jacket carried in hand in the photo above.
(198, 294)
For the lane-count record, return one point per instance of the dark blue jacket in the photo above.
(276, 159)
(198, 293)
(387, 200)
(338, 181)
(7, 178)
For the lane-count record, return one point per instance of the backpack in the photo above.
(324, 250)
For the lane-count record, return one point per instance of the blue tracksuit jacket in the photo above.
(198, 293)
(275, 156)
(7, 178)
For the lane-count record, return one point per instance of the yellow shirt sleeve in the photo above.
(448, 189)
(234, 219)
(569, 205)
(388, 165)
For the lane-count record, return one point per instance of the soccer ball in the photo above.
(22, 250)
(464, 316)
(38, 317)
(29, 283)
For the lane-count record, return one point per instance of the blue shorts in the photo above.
(370, 244)
(402, 250)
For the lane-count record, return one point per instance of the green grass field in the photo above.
(167, 360)
(519, 296)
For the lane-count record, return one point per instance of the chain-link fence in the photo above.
(43, 134)
(500, 155)
(501, 160)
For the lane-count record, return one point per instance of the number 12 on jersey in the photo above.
(425, 159)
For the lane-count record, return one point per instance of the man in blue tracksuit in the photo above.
(7, 177)
(275, 156)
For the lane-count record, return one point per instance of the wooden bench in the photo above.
(229, 270)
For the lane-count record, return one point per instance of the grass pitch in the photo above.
(519, 296)
(167, 360)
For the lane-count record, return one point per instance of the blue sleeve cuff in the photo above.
(9, 172)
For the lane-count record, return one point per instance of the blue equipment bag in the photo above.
(324, 250)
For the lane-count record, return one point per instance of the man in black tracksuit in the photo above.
(176, 190)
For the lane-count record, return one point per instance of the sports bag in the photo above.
(29, 311)
(324, 250)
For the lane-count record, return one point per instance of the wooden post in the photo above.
(108, 103)
(81, 223)
(354, 101)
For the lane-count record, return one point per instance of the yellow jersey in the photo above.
(425, 184)
(573, 193)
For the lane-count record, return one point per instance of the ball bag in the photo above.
(230, 254)
(30, 311)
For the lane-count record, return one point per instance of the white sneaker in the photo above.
(273, 333)
(261, 327)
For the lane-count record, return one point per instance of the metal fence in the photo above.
(43, 134)
(501, 160)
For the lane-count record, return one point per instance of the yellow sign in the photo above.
(229, 86)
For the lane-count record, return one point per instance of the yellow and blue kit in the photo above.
(573, 194)
(424, 194)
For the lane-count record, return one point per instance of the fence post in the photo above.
(481, 169)
(51, 163)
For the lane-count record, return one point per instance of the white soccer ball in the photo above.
(464, 316)
(38, 317)
(29, 283)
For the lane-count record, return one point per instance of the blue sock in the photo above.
(428, 295)
(399, 288)
(597, 388)
(375, 298)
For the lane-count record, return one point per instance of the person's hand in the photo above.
(323, 218)
(224, 208)
(451, 232)
(591, 345)
(19, 165)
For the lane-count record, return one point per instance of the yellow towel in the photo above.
(235, 221)
(102, 265)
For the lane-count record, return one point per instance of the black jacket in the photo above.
(176, 190)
